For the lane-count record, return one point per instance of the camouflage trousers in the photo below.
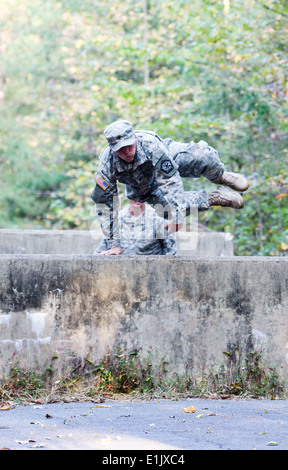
(196, 160)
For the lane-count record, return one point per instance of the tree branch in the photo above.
(273, 10)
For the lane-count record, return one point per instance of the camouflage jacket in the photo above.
(142, 235)
(152, 177)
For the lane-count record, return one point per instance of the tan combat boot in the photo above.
(222, 197)
(234, 181)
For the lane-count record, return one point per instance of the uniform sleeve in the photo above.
(169, 246)
(168, 243)
(168, 192)
(105, 196)
(170, 195)
(103, 246)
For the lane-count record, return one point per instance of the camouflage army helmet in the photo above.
(119, 134)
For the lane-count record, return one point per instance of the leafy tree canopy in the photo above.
(212, 70)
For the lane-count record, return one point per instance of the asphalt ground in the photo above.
(163, 427)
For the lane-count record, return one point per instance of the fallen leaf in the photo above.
(272, 443)
(104, 441)
(190, 409)
(5, 406)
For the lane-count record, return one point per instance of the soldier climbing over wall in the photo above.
(152, 169)
(142, 232)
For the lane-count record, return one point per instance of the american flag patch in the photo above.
(102, 183)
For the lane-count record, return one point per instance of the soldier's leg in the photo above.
(219, 197)
(198, 201)
(201, 160)
(196, 160)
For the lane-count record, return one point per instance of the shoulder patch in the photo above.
(166, 165)
(102, 183)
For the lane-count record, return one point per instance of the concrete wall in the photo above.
(80, 242)
(84, 242)
(189, 309)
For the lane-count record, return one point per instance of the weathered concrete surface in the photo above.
(85, 242)
(80, 242)
(148, 425)
(189, 310)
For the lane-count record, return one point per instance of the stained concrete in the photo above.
(80, 242)
(85, 242)
(188, 310)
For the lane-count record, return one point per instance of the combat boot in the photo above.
(234, 181)
(222, 197)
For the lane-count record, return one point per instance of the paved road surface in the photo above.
(158, 425)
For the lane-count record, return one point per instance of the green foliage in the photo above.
(140, 374)
(120, 372)
(215, 71)
(243, 376)
(22, 383)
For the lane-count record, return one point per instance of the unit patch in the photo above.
(166, 166)
(102, 183)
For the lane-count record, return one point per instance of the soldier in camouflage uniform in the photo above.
(142, 232)
(151, 169)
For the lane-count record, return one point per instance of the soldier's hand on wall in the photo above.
(113, 251)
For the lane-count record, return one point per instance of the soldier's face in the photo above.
(127, 153)
(136, 208)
